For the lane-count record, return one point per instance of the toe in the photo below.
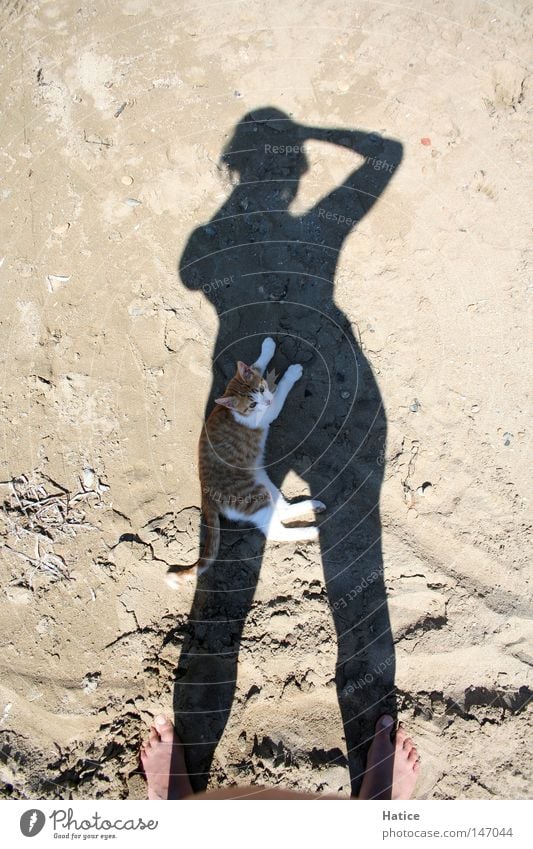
(413, 754)
(165, 728)
(384, 727)
(154, 736)
(408, 744)
(401, 735)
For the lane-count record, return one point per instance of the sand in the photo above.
(114, 118)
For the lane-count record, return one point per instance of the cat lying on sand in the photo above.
(232, 475)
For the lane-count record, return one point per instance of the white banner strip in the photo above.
(313, 823)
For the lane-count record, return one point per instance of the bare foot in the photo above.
(164, 762)
(391, 767)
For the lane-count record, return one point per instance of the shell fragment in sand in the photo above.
(56, 281)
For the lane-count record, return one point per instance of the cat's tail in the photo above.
(211, 520)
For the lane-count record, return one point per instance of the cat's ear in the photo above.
(227, 401)
(245, 371)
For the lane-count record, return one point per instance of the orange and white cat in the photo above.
(231, 463)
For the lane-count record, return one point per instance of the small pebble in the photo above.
(127, 180)
(421, 490)
(415, 406)
(132, 202)
(475, 408)
(425, 141)
(61, 229)
(88, 477)
(345, 395)
(507, 437)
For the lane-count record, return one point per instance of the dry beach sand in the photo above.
(114, 116)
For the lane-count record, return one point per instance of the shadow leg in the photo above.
(206, 674)
(365, 668)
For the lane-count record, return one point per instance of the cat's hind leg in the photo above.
(268, 521)
(292, 512)
(285, 512)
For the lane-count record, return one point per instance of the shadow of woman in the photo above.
(270, 273)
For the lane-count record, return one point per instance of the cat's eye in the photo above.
(253, 404)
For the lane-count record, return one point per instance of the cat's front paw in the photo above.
(268, 348)
(294, 372)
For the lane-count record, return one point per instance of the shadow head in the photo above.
(267, 145)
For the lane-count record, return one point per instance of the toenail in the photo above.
(160, 720)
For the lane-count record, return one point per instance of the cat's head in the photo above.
(247, 392)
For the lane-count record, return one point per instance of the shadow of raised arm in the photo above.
(348, 203)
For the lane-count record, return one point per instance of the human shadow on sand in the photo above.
(268, 272)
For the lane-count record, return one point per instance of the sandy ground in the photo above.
(113, 120)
